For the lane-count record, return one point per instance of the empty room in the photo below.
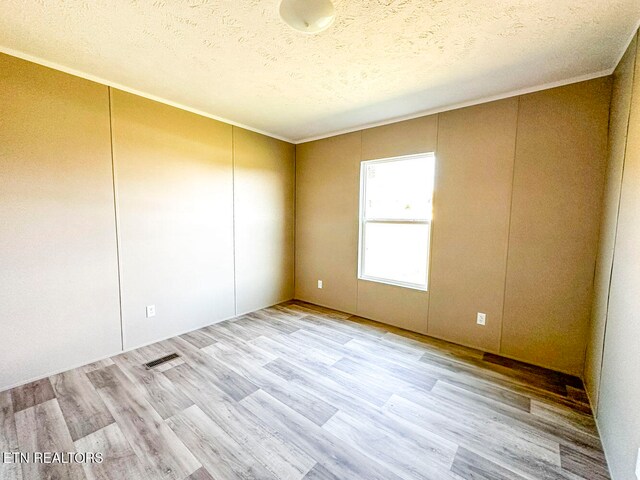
(319, 239)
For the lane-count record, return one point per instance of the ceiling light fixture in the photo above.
(307, 16)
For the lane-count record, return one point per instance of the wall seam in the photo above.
(506, 263)
(358, 245)
(595, 264)
(116, 214)
(615, 237)
(295, 216)
(431, 235)
(233, 219)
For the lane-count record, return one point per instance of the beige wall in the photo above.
(326, 221)
(619, 393)
(176, 185)
(175, 188)
(484, 160)
(58, 269)
(555, 216)
(618, 124)
(264, 185)
(174, 181)
(471, 222)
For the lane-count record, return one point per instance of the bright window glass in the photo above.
(395, 219)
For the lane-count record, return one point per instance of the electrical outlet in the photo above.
(481, 319)
(151, 311)
(319, 283)
(638, 465)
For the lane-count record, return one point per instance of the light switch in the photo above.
(319, 283)
(151, 311)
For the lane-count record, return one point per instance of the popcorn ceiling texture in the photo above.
(380, 59)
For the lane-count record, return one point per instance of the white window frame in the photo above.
(363, 221)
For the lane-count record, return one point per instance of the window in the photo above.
(395, 220)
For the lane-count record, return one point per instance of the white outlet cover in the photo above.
(319, 283)
(151, 311)
(482, 318)
(638, 465)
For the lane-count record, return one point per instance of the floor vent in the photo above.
(160, 361)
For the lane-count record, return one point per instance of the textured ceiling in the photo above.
(381, 59)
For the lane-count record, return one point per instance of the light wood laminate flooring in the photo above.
(297, 391)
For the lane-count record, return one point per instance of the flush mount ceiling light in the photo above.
(307, 16)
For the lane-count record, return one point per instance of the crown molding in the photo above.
(470, 103)
(108, 83)
(422, 113)
(626, 46)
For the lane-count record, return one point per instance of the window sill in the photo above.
(411, 286)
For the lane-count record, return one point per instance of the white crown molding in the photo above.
(626, 46)
(493, 98)
(478, 101)
(93, 78)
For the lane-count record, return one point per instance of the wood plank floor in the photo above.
(297, 391)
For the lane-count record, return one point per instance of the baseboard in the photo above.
(125, 350)
(462, 344)
(597, 422)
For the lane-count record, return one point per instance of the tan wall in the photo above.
(174, 184)
(478, 173)
(619, 393)
(557, 194)
(327, 221)
(58, 269)
(264, 185)
(471, 222)
(619, 121)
